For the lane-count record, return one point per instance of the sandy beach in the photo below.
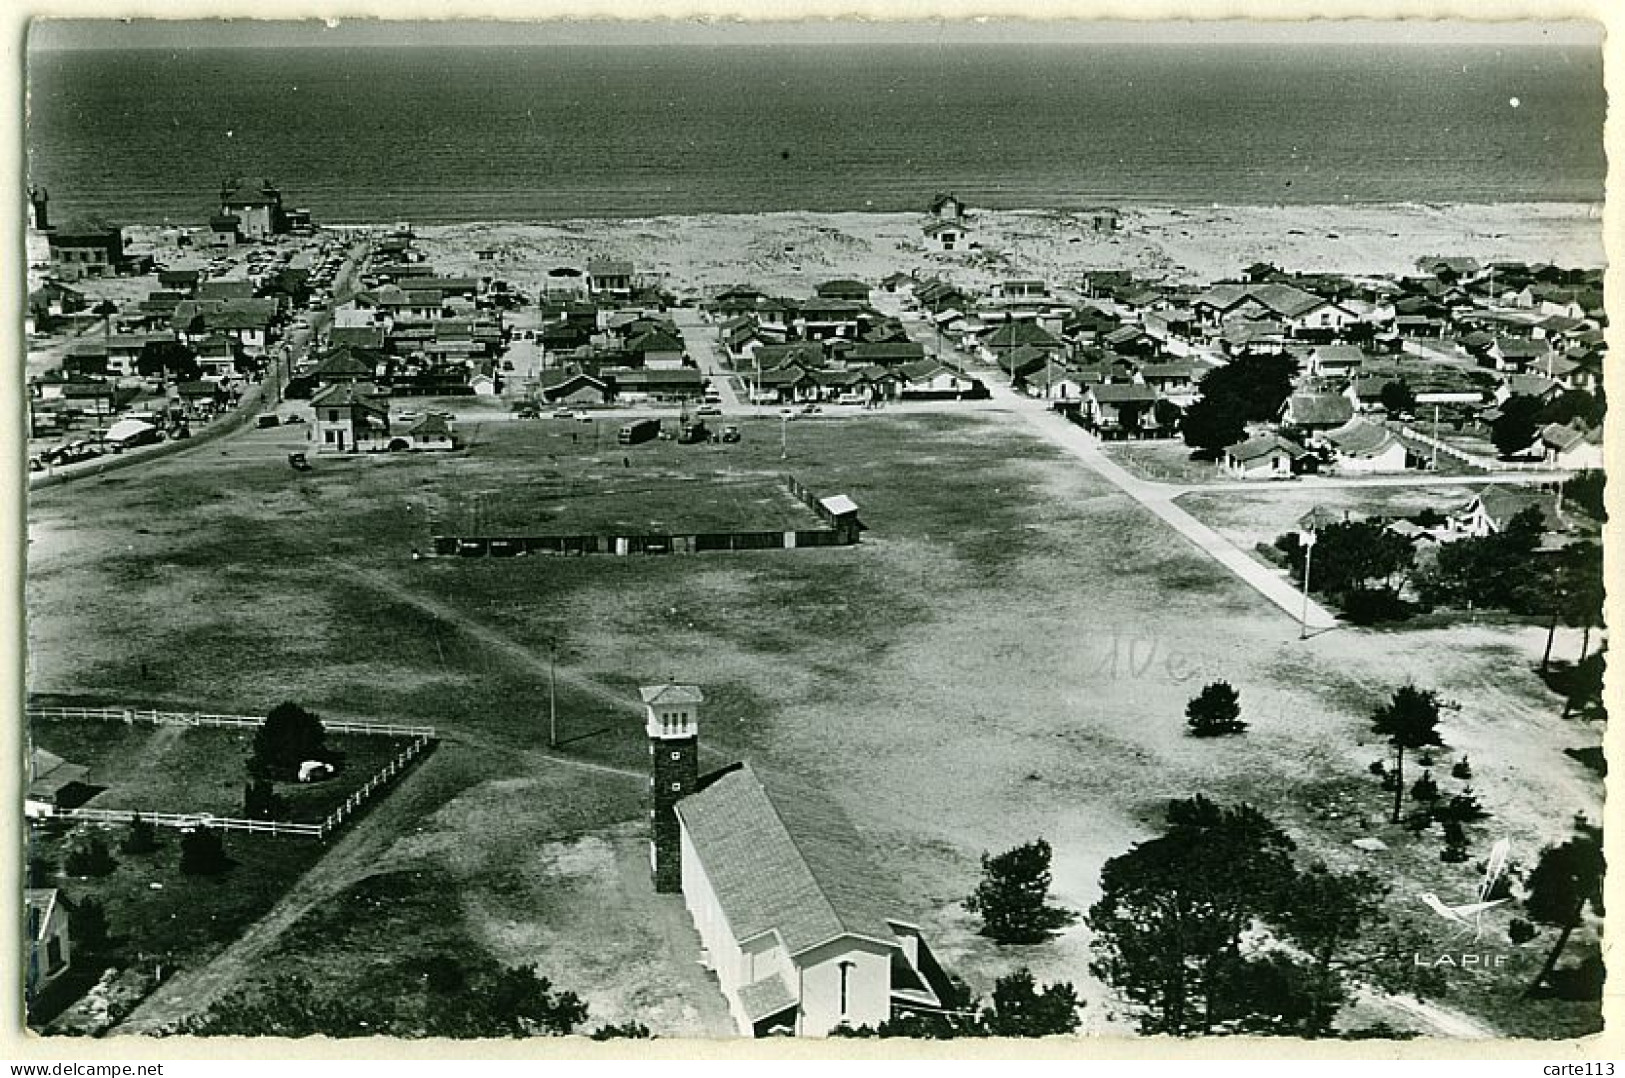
(790, 252)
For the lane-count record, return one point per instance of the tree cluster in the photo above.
(1020, 1007)
(1212, 928)
(1500, 571)
(1250, 388)
(470, 999)
(1352, 562)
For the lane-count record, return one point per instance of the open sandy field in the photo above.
(790, 252)
(1006, 655)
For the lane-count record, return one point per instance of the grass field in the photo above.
(1006, 654)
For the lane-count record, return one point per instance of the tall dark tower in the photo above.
(39, 197)
(671, 719)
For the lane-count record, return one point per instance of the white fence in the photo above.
(200, 718)
(422, 737)
(1488, 464)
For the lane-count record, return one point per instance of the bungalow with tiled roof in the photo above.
(928, 379)
(1051, 381)
(1266, 456)
(1316, 412)
(1119, 409)
(572, 387)
(1361, 447)
(1566, 446)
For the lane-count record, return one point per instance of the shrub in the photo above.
(1378, 768)
(89, 856)
(1455, 842)
(1462, 808)
(1373, 606)
(1425, 789)
(203, 853)
(261, 802)
(89, 926)
(1215, 711)
(1520, 931)
(1462, 770)
(141, 838)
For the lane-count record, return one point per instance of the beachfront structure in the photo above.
(793, 916)
(257, 205)
(87, 248)
(944, 235)
(609, 279)
(946, 207)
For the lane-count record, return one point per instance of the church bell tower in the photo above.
(671, 719)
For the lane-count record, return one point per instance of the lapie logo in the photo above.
(1468, 917)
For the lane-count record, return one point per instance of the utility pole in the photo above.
(1306, 538)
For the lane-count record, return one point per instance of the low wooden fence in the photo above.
(422, 738)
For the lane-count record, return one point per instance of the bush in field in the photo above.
(1425, 790)
(1455, 842)
(1215, 711)
(261, 801)
(141, 838)
(203, 853)
(1520, 931)
(89, 856)
(1462, 770)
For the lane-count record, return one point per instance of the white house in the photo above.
(1569, 447)
(944, 235)
(1361, 447)
(1264, 456)
(50, 950)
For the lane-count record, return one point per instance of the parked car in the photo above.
(708, 409)
(787, 413)
(564, 413)
(810, 409)
(582, 417)
(730, 434)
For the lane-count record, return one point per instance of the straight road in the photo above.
(700, 341)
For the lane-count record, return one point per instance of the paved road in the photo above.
(700, 340)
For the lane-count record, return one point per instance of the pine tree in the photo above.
(1013, 896)
(1409, 721)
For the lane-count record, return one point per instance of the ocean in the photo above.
(435, 135)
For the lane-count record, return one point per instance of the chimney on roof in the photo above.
(39, 197)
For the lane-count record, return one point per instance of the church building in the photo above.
(796, 921)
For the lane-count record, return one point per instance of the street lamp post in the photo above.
(1306, 539)
(784, 437)
(552, 699)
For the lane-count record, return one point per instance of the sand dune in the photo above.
(789, 252)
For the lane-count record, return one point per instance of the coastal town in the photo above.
(721, 505)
